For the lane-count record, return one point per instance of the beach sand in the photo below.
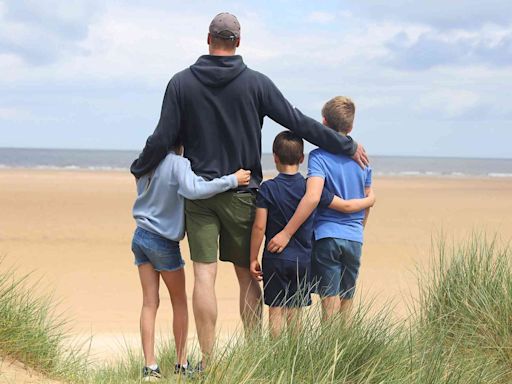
(15, 372)
(72, 230)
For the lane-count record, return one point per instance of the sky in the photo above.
(429, 78)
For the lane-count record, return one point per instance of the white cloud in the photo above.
(448, 102)
(438, 13)
(321, 17)
(14, 114)
(135, 47)
(489, 44)
(140, 44)
(12, 68)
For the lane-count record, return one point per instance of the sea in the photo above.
(120, 160)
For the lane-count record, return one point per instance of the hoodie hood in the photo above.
(217, 71)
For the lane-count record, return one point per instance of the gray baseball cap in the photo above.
(225, 26)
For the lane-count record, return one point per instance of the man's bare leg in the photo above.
(250, 301)
(204, 303)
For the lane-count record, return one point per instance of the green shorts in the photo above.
(222, 222)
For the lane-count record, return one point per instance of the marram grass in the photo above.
(460, 332)
(32, 333)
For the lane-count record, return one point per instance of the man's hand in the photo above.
(243, 177)
(279, 242)
(255, 270)
(360, 157)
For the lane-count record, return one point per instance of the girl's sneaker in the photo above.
(149, 374)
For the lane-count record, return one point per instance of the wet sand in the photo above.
(72, 230)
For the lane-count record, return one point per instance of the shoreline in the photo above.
(270, 174)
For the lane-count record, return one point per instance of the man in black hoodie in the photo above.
(216, 107)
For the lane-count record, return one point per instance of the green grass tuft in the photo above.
(32, 333)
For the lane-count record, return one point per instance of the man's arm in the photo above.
(164, 136)
(282, 112)
(258, 232)
(307, 205)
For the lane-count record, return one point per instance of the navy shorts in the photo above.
(335, 266)
(286, 283)
(162, 253)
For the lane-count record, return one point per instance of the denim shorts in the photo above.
(335, 267)
(286, 283)
(162, 253)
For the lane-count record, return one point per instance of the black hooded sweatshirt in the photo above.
(217, 108)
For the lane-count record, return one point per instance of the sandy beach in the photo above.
(72, 230)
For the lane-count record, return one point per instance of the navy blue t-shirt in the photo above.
(281, 196)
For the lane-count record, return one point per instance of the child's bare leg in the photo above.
(175, 282)
(149, 279)
(330, 307)
(345, 307)
(294, 320)
(276, 320)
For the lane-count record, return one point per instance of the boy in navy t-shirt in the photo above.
(286, 274)
(338, 236)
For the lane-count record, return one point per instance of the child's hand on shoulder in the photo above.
(255, 269)
(243, 177)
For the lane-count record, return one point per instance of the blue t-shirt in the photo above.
(345, 178)
(281, 196)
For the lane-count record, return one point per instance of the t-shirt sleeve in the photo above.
(368, 181)
(263, 197)
(315, 166)
(326, 198)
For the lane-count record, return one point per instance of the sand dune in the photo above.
(15, 372)
(73, 229)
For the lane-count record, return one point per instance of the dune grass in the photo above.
(465, 309)
(32, 333)
(460, 331)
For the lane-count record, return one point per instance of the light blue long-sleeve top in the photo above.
(160, 204)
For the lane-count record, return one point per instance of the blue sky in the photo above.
(429, 78)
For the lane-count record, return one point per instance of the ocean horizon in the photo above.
(383, 165)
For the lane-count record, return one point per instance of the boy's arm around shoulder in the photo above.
(314, 188)
(354, 205)
(307, 205)
(369, 192)
(194, 187)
